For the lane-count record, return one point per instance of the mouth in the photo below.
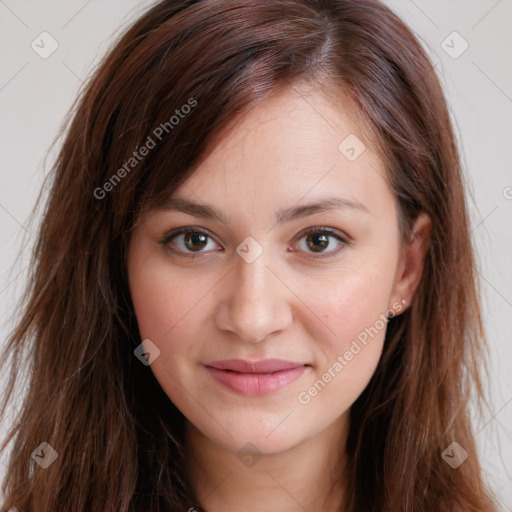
(256, 378)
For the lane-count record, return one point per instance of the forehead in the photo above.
(296, 146)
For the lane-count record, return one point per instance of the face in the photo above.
(270, 279)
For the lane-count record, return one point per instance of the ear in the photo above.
(411, 262)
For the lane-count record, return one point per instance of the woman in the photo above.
(253, 285)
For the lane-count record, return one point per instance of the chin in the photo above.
(266, 439)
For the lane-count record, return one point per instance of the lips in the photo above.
(255, 378)
(264, 366)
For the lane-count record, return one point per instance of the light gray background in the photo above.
(35, 94)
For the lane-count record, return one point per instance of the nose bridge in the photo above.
(256, 305)
(253, 280)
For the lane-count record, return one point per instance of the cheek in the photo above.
(348, 307)
(156, 303)
(159, 302)
(350, 327)
(163, 298)
(167, 308)
(172, 308)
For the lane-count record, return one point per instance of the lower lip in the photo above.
(256, 384)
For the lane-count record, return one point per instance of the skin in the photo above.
(281, 305)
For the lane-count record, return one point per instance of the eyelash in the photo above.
(324, 230)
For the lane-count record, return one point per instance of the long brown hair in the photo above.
(118, 437)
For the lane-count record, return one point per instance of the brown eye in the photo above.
(188, 241)
(317, 242)
(324, 242)
(195, 241)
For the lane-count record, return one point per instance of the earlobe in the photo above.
(412, 261)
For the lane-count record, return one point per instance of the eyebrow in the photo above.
(207, 211)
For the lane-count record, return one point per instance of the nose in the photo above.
(257, 302)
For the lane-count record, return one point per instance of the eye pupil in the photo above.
(322, 239)
(195, 238)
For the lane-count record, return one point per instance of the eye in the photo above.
(187, 241)
(193, 241)
(316, 241)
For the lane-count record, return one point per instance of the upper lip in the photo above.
(263, 366)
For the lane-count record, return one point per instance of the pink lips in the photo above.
(255, 378)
